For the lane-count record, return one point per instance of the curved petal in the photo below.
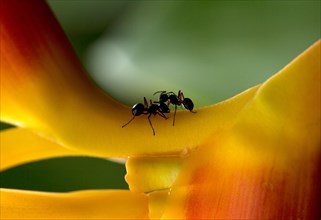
(19, 145)
(267, 166)
(44, 88)
(94, 204)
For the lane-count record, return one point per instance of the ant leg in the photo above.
(174, 115)
(151, 124)
(128, 122)
(162, 115)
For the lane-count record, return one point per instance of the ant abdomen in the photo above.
(188, 104)
(138, 109)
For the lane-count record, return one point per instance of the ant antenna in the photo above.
(128, 122)
(159, 92)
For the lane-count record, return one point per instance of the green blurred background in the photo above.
(211, 50)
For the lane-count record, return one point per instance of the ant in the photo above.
(172, 98)
(153, 108)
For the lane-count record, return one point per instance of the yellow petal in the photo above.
(157, 203)
(267, 166)
(20, 146)
(44, 88)
(149, 174)
(92, 204)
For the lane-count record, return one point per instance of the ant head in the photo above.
(188, 104)
(138, 109)
(163, 97)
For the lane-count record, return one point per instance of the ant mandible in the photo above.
(172, 98)
(139, 109)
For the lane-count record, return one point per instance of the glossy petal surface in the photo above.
(20, 146)
(94, 204)
(267, 166)
(149, 174)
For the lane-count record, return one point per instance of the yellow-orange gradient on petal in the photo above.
(40, 76)
(44, 88)
(89, 204)
(267, 166)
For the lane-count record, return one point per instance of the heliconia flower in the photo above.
(254, 156)
(267, 165)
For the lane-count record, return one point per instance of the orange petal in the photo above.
(94, 204)
(267, 166)
(20, 146)
(34, 84)
(43, 85)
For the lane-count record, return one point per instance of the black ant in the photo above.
(172, 98)
(139, 108)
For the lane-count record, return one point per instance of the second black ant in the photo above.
(172, 98)
(152, 109)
